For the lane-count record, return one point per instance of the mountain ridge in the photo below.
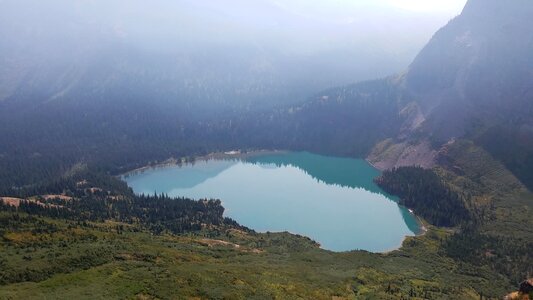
(477, 66)
(472, 78)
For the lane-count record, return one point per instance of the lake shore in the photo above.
(421, 224)
(234, 154)
(243, 155)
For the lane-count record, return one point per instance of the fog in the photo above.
(238, 54)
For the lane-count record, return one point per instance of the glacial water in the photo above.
(332, 200)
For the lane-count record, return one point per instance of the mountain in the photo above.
(117, 85)
(477, 69)
(473, 80)
(109, 97)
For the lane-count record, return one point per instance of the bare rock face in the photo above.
(413, 119)
(475, 73)
(388, 155)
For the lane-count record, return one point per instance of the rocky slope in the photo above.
(473, 80)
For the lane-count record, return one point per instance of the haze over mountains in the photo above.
(203, 55)
(473, 80)
(477, 69)
(116, 82)
(180, 86)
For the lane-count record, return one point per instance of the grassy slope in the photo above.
(508, 205)
(130, 265)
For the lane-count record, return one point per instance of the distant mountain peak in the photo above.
(478, 66)
(495, 8)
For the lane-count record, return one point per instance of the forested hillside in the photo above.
(426, 193)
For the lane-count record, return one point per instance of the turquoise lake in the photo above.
(332, 200)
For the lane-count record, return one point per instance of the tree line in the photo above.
(113, 200)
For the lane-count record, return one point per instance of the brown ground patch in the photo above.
(11, 201)
(516, 296)
(238, 232)
(62, 197)
(213, 243)
(17, 201)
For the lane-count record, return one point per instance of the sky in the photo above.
(444, 6)
(319, 22)
(449, 7)
(332, 8)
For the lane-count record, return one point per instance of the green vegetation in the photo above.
(423, 191)
(510, 256)
(83, 202)
(514, 147)
(500, 235)
(108, 243)
(47, 258)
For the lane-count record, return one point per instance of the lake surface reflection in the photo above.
(332, 200)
